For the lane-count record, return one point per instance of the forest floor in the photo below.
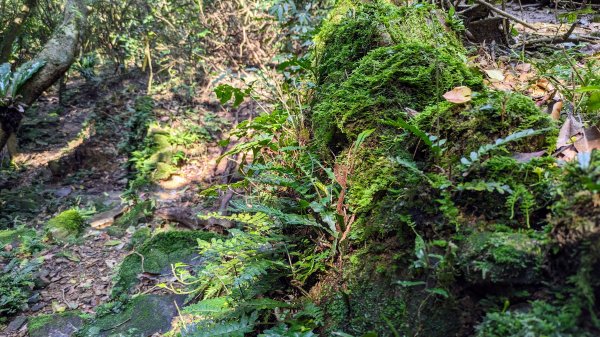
(70, 155)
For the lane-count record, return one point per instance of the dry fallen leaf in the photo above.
(556, 109)
(495, 75)
(459, 95)
(571, 128)
(526, 157)
(590, 140)
(523, 67)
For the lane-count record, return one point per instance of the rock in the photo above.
(145, 315)
(40, 278)
(16, 324)
(38, 306)
(106, 219)
(501, 258)
(159, 253)
(63, 192)
(56, 325)
(35, 298)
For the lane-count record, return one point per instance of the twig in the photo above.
(505, 14)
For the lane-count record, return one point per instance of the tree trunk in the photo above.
(58, 54)
(14, 29)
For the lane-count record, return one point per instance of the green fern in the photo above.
(476, 156)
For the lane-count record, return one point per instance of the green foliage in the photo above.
(16, 283)
(12, 82)
(159, 252)
(225, 92)
(476, 156)
(541, 319)
(86, 65)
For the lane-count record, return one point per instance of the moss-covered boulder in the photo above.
(489, 116)
(65, 225)
(56, 325)
(374, 60)
(502, 258)
(538, 319)
(145, 315)
(355, 27)
(158, 252)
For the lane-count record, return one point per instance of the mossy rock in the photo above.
(65, 225)
(136, 215)
(159, 252)
(502, 258)
(143, 316)
(489, 116)
(355, 27)
(56, 325)
(372, 301)
(385, 82)
(539, 319)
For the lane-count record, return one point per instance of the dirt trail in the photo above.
(72, 152)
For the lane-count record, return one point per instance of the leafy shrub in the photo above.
(16, 282)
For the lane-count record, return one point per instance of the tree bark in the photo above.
(58, 54)
(14, 30)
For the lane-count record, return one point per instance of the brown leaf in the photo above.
(459, 95)
(590, 140)
(571, 128)
(495, 75)
(556, 109)
(523, 67)
(526, 157)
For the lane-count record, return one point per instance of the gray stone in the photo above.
(16, 323)
(57, 325)
(145, 315)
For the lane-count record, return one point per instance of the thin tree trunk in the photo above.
(14, 30)
(58, 54)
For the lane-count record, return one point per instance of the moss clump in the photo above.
(67, 224)
(62, 324)
(386, 81)
(355, 27)
(541, 319)
(502, 258)
(145, 315)
(491, 115)
(159, 253)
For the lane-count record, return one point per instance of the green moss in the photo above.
(145, 315)
(66, 323)
(541, 319)
(491, 115)
(136, 215)
(67, 224)
(386, 81)
(355, 27)
(159, 253)
(502, 257)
